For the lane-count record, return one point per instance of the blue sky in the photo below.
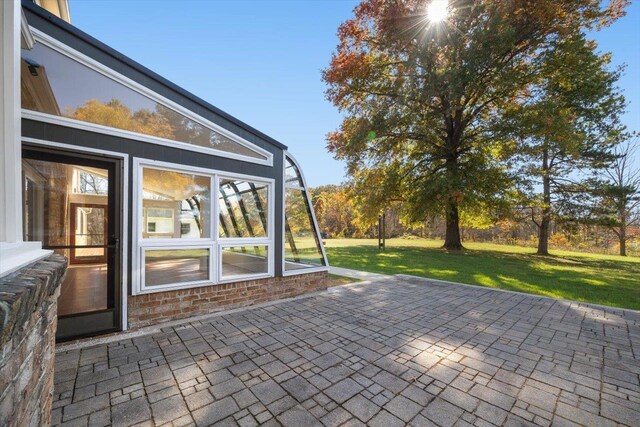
(261, 60)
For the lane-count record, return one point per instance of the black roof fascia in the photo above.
(76, 32)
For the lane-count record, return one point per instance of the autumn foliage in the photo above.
(424, 103)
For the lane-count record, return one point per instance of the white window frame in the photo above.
(169, 167)
(50, 42)
(215, 243)
(307, 268)
(247, 241)
(241, 277)
(170, 286)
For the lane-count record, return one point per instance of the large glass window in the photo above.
(55, 84)
(243, 208)
(175, 204)
(178, 244)
(302, 245)
(176, 266)
(238, 261)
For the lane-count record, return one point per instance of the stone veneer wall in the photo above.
(28, 316)
(157, 307)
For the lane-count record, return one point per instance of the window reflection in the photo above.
(56, 84)
(241, 260)
(243, 208)
(163, 267)
(302, 245)
(51, 190)
(66, 207)
(175, 204)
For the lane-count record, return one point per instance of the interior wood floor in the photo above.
(85, 286)
(165, 271)
(84, 289)
(181, 270)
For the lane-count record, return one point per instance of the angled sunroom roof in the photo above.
(56, 84)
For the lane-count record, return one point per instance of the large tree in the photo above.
(619, 194)
(568, 123)
(423, 101)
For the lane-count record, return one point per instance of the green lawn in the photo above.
(335, 280)
(601, 279)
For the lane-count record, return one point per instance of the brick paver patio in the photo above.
(394, 352)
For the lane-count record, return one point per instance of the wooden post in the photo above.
(384, 231)
(381, 231)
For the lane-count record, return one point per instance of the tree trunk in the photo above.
(543, 235)
(623, 241)
(543, 231)
(452, 239)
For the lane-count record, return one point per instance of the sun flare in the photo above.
(438, 10)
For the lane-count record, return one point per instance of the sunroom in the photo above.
(165, 206)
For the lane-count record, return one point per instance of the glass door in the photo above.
(70, 205)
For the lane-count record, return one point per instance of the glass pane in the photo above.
(292, 174)
(164, 267)
(84, 288)
(66, 205)
(302, 246)
(175, 205)
(244, 260)
(243, 208)
(53, 194)
(56, 84)
(89, 225)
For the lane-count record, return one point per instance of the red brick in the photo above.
(148, 309)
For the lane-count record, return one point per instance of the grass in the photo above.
(335, 280)
(601, 279)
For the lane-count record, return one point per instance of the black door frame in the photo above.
(104, 321)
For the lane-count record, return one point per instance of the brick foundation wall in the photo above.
(28, 316)
(148, 309)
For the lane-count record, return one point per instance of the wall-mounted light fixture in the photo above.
(33, 66)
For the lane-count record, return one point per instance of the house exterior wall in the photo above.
(148, 151)
(28, 289)
(186, 301)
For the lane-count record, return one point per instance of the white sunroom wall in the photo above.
(14, 253)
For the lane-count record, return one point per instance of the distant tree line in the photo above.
(606, 221)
